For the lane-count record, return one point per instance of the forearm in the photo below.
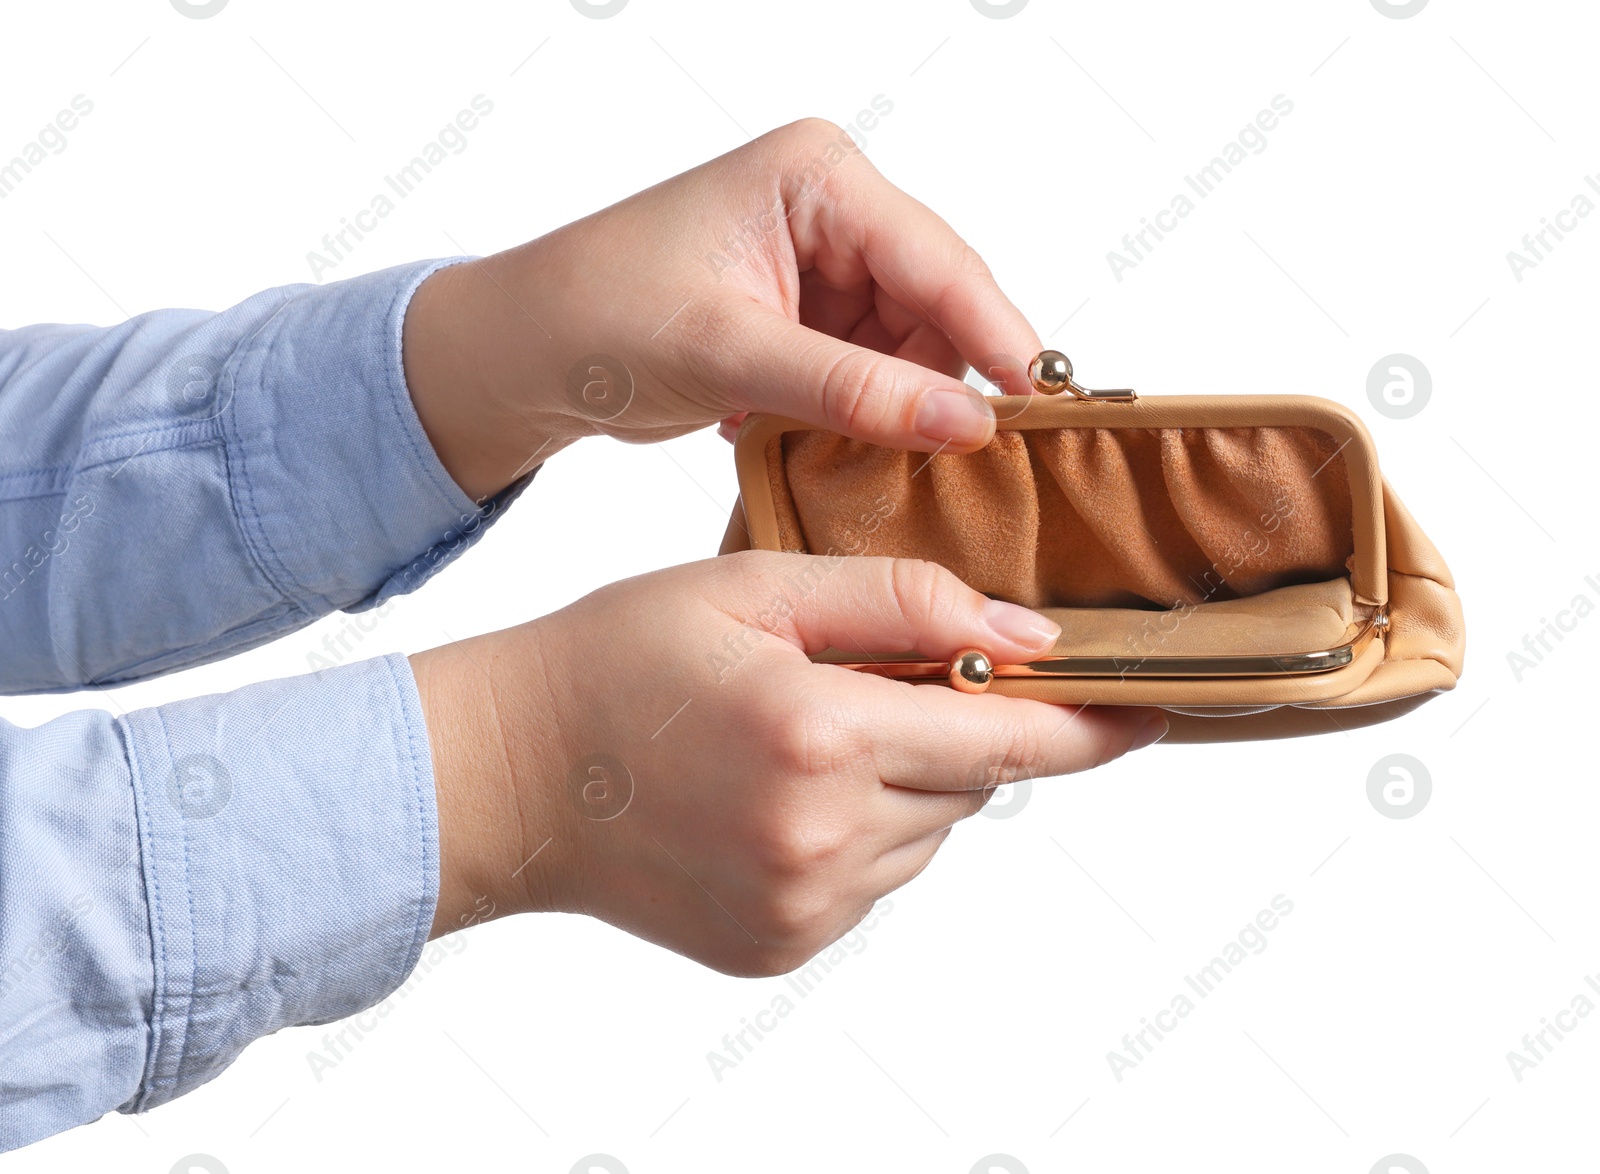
(188, 485)
(182, 880)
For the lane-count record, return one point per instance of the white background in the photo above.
(978, 1017)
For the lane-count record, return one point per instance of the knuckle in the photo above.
(970, 283)
(793, 914)
(794, 942)
(924, 591)
(793, 849)
(772, 961)
(809, 131)
(789, 746)
(808, 740)
(856, 391)
(792, 742)
(809, 154)
(1020, 754)
(970, 263)
(758, 960)
(779, 850)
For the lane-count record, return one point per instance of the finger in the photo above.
(932, 738)
(900, 866)
(926, 347)
(889, 331)
(910, 814)
(867, 226)
(792, 370)
(923, 346)
(929, 737)
(877, 605)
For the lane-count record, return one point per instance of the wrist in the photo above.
(477, 842)
(498, 777)
(474, 367)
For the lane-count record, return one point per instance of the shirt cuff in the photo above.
(337, 486)
(290, 853)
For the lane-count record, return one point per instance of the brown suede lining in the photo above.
(1082, 517)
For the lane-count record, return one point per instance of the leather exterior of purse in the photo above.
(1392, 575)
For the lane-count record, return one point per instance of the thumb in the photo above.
(792, 370)
(886, 605)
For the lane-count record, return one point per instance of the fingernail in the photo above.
(1154, 730)
(1019, 625)
(955, 417)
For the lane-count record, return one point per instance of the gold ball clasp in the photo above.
(1050, 372)
(970, 672)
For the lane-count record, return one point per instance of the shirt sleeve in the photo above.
(179, 881)
(188, 485)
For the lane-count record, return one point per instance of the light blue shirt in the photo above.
(178, 881)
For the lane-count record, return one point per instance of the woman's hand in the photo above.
(788, 276)
(663, 755)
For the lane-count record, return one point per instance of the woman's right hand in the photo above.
(662, 754)
(787, 276)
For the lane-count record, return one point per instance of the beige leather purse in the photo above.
(1237, 560)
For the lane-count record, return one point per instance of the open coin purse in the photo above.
(1237, 560)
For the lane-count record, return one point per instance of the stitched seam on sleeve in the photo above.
(430, 863)
(194, 952)
(55, 480)
(158, 937)
(255, 350)
(232, 455)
